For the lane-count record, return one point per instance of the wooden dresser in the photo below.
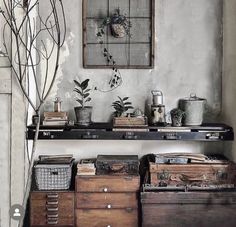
(107, 201)
(52, 208)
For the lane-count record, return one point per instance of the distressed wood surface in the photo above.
(104, 183)
(41, 203)
(206, 209)
(106, 217)
(102, 200)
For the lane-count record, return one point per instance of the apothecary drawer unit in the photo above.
(52, 208)
(109, 201)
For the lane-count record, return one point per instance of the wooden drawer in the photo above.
(104, 183)
(52, 208)
(178, 209)
(106, 217)
(106, 200)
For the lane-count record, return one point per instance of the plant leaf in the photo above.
(84, 84)
(77, 83)
(88, 99)
(125, 98)
(86, 95)
(80, 101)
(87, 90)
(78, 91)
(128, 103)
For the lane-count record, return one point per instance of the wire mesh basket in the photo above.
(53, 176)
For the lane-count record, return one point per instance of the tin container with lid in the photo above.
(193, 107)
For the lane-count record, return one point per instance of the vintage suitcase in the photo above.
(185, 209)
(52, 208)
(192, 174)
(117, 164)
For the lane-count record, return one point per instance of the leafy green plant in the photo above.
(121, 106)
(177, 113)
(83, 92)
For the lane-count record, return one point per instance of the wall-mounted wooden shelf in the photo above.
(105, 131)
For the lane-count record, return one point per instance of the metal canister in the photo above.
(57, 104)
(193, 108)
(157, 97)
(157, 108)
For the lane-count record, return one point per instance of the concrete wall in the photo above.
(188, 58)
(229, 70)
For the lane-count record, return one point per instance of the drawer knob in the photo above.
(109, 226)
(109, 206)
(105, 189)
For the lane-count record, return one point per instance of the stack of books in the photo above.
(55, 118)
(86, 167)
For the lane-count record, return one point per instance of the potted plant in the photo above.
(121, 106)
(83, 113)
(119, 25)
(176, 117)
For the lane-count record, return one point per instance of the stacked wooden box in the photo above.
(180, 195)
(106, 200)
(52, 208)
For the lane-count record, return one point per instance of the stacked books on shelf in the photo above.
(55, 118)
(86, 167)
(130, 124)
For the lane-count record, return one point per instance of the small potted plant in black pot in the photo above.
(176, 117)
(119, 25)
(83, 113)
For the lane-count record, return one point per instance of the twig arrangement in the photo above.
(27, 27)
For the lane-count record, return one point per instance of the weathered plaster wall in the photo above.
(229, 70)
(188, 58)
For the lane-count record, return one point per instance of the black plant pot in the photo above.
(83, 115)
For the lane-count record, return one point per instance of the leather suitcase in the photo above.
(117, 165)
(185, 209)
(192, 174)
(52, 208)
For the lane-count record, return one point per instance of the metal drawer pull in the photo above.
(105, 190)
(52, 208)
(52, 215)
(52, 196)
(52, 222)
(52, 202)
(109, 206)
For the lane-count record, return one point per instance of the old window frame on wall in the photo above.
(131, 52)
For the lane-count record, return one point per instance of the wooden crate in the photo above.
(184, 209)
